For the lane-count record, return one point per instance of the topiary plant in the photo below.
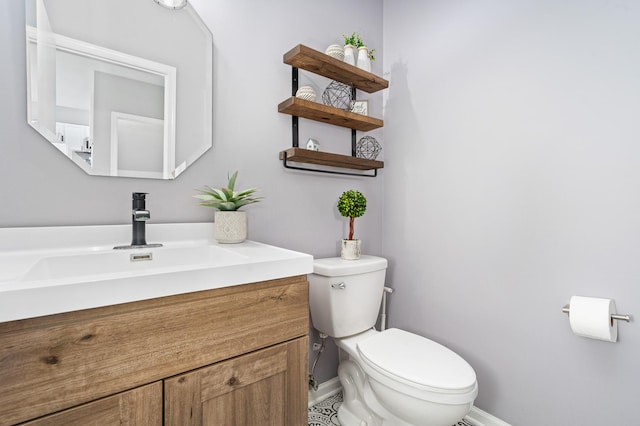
(352, 204)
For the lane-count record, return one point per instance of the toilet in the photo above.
(390, 377)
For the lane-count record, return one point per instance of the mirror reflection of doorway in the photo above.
(137, 148)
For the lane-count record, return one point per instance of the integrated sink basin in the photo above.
(45, 271)
(117, 263)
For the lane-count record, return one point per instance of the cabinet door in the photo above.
(140, 406)
(266, 387)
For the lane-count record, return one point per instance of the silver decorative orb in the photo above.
(368, 147)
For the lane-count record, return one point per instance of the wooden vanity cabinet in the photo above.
(234, 356)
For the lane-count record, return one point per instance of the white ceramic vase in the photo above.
(350, 249)
(364, 62)
(230, 227)
(349, 54)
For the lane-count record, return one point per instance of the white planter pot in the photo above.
(230, 227)
(349, 54)
(364, 62)
(350, 249)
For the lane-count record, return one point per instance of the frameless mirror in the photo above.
(121, 87)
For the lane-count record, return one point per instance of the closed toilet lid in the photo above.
(416, 359)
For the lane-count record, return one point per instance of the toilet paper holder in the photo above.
(626, 318)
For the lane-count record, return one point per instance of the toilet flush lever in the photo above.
(340, 286)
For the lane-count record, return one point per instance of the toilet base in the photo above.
(353, 411)
(361, 406)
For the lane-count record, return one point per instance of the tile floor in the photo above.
(325, 413)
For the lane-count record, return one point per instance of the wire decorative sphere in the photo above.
(337, 95)
(368, 147)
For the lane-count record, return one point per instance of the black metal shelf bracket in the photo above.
(288, 165)
(295, 138)
(353, 131)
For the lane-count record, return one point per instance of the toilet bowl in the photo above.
(390, 377)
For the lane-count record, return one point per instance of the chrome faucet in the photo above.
(139, 217)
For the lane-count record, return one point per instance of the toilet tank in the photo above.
(345, 295)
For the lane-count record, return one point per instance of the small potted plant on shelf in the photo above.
(230, 223)
(351, 42)
(365, 56)
(351, 204)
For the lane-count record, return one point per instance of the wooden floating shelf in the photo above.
(327, 114)
(301, 155)
(308, 59)
(305, 58)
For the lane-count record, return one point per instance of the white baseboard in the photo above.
(482, 418)
(325, 390)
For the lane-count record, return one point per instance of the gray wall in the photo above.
(512, 147)
(40, 187)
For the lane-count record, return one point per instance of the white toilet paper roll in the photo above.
(591, 317)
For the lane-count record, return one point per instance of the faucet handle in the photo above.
(141, 215)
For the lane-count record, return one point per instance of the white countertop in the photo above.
(51, 270)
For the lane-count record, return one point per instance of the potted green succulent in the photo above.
(351, 204)
(230, 223)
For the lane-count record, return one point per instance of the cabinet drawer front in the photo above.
(52, 363)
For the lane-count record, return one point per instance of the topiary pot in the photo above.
(350, 249)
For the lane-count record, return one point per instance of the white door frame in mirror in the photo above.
(143, 137)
